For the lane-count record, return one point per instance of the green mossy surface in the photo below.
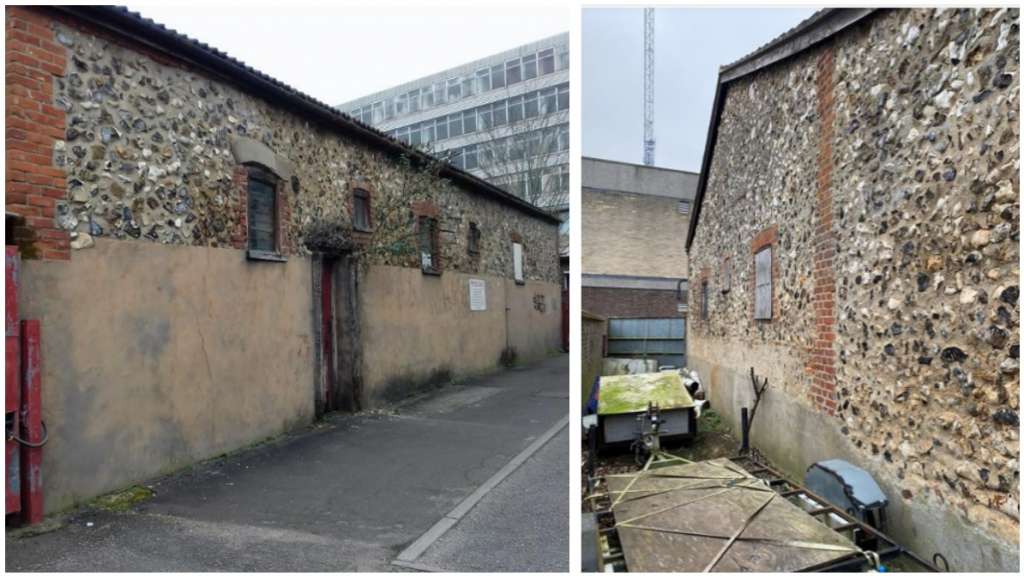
(123, 500)
(632, 393)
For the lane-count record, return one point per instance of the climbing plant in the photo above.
(393, 236)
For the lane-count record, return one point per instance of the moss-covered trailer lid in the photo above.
(631, 393)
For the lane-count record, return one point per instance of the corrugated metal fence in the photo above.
(663, 339)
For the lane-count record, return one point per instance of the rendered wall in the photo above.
(418, 329)
(155, 357)
(882, 167)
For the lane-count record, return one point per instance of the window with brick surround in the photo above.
(361, 219)
(763, 284)
(262, 211)
(429, 241)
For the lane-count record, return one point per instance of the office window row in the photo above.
(516, 147)
(495, 77)
(503, 112)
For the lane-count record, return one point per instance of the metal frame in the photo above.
(885, 547)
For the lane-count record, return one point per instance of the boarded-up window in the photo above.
(430, 257)
(684, 207)
(361, 210)
(262, 211)
(763, 284)
(704, 300)
(473, 244)
(517, 261)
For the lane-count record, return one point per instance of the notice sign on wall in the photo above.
(477, 294)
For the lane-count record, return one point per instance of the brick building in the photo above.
(634, 261)
(855, 239)
(217, 257)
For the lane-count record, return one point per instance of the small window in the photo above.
(530, 67)
(454, 89)
(763, 284)
(531, 106)
(469, 157)
(515, 109)
(546, 59)
(548, 100)
(262, 211)
(684, 207)
(454, 125)
(498, 76)
(513, 72)
(727, 275)
(703, 299)
(430, 255)
(517, 262)
(484, 113)
(361, 210)
(500, 113)
(469, 121)
(483, 79)
(563, 97)
(473, 242)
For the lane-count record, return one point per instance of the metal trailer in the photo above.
(877, 545)
(633, 407)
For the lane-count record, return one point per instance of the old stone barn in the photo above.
(217, 257)
(855, 239)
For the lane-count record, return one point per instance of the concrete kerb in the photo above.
(408, 556)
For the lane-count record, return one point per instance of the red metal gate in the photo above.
(12, 380)
(25, 432)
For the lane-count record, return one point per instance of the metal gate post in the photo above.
(32, 431)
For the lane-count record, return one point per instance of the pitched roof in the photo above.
(820, 26)
(132, 25)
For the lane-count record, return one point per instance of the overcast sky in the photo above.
(690, 45)
(339, 53)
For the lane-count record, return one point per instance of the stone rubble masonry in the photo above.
(822, 355)
(888, 158)
(35, 129)
(137, 146)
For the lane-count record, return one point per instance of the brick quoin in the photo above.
(821, 354)
(240, 234)
(34, 185)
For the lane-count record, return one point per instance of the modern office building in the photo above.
(504, 118)
(634, 265)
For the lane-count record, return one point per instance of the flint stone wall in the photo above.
(923, 171)
(148, 156)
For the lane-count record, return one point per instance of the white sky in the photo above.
(339, 53)
(690, 45)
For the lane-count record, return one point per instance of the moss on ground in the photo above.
(123, 500)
